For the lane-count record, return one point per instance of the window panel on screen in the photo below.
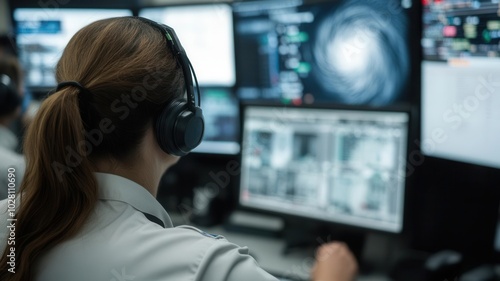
(460, 81)
(42, 35)
(348, 51)
(340, 166)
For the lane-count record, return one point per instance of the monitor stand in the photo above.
(300, 234)
(255, 224)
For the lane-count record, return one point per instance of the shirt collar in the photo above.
(8, 139)
(116, 188)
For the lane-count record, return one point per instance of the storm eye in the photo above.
(360, 53)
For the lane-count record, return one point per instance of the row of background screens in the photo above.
(289, 52)
(349, 52)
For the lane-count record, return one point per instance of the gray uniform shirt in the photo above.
(119, 243)
(9, 158)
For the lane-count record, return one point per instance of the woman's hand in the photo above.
(334, 262)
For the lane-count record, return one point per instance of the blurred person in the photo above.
(29, 105)
(96, 151)
(11, 100)
(8, 45)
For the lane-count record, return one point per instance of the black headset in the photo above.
(9, 96)
(180, 126)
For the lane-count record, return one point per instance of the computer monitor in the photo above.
(206, 33)
(342, 166)
(221, 113)
(306, 52)
(42, 34)
(460, 82)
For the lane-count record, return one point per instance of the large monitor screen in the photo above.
(341, 166)
(42, 34)
(303, 52)
(206, 33)
(460, 81)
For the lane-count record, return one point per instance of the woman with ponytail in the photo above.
(86, 209)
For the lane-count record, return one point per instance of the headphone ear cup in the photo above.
(179, 129)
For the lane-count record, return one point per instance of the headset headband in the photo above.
(180, 126)
(180, 54)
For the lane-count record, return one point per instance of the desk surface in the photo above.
(297, 263)
(268, 252)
